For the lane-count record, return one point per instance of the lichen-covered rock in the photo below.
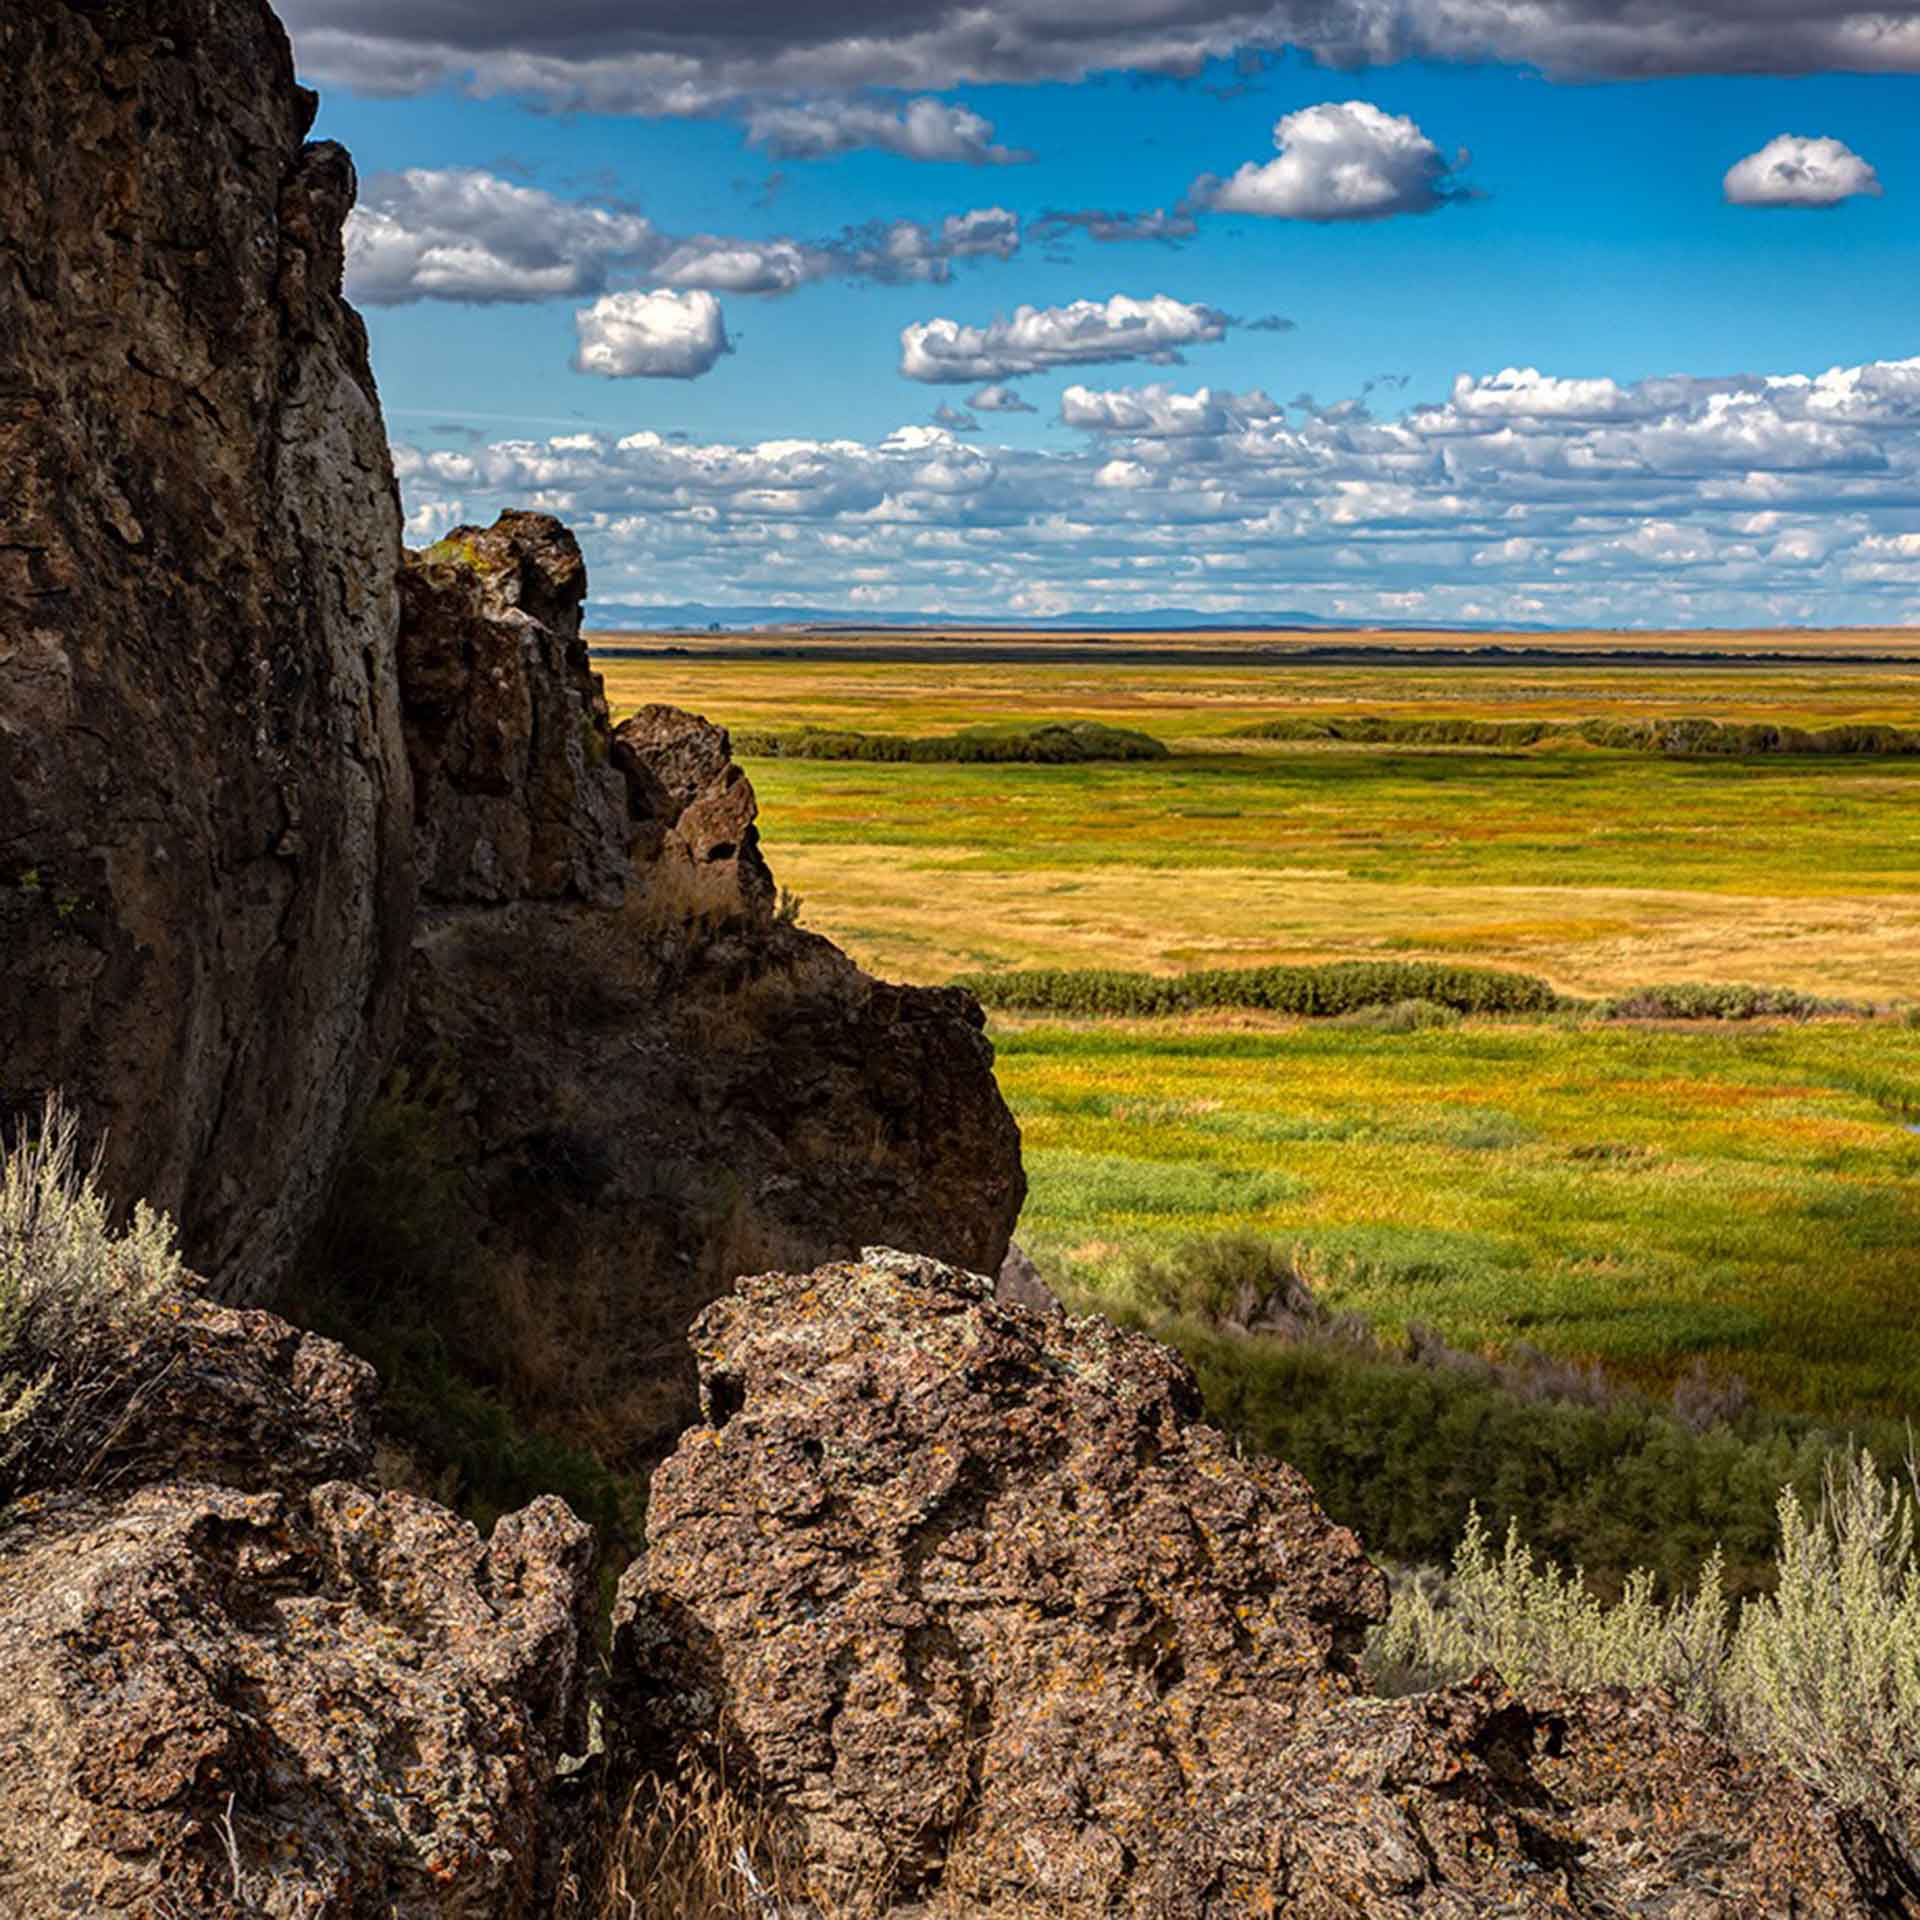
(234, 1682)
(971, 1594)
(205, 861)
(506, 726)
(973, 1590)
(373, 1695)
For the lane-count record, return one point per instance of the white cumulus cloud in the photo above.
(1037, 339)
(661, 335)
(1737, 500)
(1343, 160)
(1161, 412)
(1792, 171)
(1000, 399)
(924, 129)
(462, 234)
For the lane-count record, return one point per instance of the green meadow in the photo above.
(1659, 1197)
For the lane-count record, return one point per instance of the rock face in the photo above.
(205, 861)
(654, 1083)
(515, 797)
(237, 1682)
(971, 1593)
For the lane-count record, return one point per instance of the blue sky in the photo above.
(1528, 385)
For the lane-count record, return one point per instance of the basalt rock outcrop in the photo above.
(259, 833)
(650, 1080)
(973, 1595)
(235, 1679)
(205, 841)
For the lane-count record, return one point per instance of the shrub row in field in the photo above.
(1398, 995)
(1049, 743)
(1342, 987)
(1682, 737)
(1704, 1000)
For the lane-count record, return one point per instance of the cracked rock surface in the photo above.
(205, 866)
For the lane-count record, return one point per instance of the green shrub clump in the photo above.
(1048, 743)
(1403, 1438)
(1344, 987)
(1822, 1673)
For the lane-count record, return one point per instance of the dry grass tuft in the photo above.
(699, 1848)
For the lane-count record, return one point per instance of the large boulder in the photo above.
(236, 1679)
(970, 1594)
(205, 855)
(648, 1079)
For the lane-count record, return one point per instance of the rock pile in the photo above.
(652, 1081)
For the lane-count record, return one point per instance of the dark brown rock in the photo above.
(650, 1081)
(710, 857)
(975, 1592)
(506, 726)
(205, 864)
(1018, 1284)
(971, 1594)
(195, 1391)
(378, 1696)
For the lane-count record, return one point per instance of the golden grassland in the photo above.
(1647, 1196)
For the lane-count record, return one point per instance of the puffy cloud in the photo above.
(465, 235)
(1339, 161)
(955, 419)
(924, 129)
(651, 336)
(998, 399)
(1524, 496)
(1790, 171)
(1036, 339)
(652, 57)
(1159, 412)
(462, 234)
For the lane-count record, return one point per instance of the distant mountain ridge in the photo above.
(696, 616)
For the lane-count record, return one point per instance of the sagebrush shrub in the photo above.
(1822, 1674)
(67, 1277)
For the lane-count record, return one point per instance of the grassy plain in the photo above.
(1648, 1196)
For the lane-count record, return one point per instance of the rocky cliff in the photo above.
(650, 1080)
(205, 831)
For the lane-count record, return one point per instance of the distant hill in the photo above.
(697, 617)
